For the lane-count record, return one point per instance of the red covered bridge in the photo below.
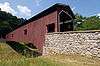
(57, 18)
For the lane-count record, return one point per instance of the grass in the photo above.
(9, 57)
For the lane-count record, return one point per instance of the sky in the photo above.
(29, 8)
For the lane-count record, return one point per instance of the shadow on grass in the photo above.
(24, 49)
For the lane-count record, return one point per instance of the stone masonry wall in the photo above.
(81, 42)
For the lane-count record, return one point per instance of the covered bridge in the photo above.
(57, 18)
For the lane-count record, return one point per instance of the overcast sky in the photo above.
(29, 8)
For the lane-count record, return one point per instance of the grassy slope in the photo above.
(8, 57)
(6, 52)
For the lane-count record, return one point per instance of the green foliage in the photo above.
(23, 49)
(8, 22)
(87, 23)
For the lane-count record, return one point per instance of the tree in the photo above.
(8, 22)
(79, 19)
(88, 23)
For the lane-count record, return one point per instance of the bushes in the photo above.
(87, 23)
(23, 49)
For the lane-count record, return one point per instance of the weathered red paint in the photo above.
(36, 30)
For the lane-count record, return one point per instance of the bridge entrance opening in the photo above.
(66, 22)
